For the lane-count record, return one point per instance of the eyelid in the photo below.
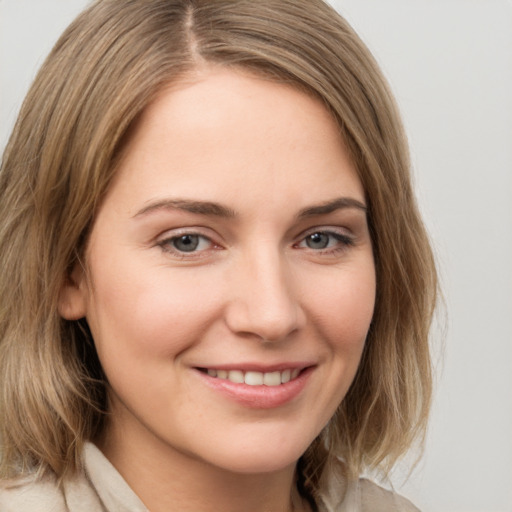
(330, 230)
(345, 239)
(164, 241)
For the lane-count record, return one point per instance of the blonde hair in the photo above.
(103, 72)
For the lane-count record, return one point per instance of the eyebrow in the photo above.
(209, 208)
(339, 203)
(198, 207)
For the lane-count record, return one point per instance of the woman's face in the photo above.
(230, 280)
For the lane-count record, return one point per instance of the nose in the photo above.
(264, 300)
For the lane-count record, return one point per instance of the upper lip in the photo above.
(258, 367)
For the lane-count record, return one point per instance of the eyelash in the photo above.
(343, 242)
(167, 244)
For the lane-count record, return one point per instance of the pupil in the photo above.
(186, 243)
(318, 241)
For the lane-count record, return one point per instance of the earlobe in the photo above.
(72, 296)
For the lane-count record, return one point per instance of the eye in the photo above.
(318, 240)
(325, 240)
(186, 243)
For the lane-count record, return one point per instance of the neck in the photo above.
(166, 479)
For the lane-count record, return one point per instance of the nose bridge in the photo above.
(264, 301)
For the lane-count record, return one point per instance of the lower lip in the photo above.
(259, 397)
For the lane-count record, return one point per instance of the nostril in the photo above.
(264, 323)
(264, 302)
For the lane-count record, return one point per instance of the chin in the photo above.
(249, 465)
(258, 458)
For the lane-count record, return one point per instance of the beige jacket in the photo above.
(100, 488)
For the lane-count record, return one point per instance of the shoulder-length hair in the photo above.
(103, 72)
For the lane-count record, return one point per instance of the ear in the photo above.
(72, 304)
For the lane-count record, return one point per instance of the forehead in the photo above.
(220, 133)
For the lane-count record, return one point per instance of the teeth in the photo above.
(286, 376)
(255, 378)
(272, 378)
(236, 376)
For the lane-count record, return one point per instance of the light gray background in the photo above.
(450, 65)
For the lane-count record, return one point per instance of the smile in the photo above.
(252, 378)
(253, 388)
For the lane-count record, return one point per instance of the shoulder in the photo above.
(361, 496)
(31, 495)
(44, 494)
(377, 499)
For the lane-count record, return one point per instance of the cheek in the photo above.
(148, 315)
(343, 309)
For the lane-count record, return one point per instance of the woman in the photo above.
(217, 289)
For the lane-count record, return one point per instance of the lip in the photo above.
(256, 367)
(258, 397)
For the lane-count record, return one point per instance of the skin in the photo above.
(259, 289)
